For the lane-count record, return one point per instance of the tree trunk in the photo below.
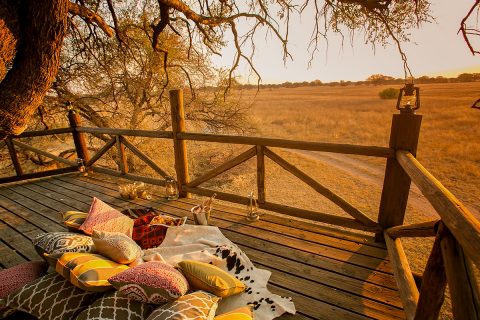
(43, 26)
(9, 34)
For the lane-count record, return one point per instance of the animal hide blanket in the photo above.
(208, 244)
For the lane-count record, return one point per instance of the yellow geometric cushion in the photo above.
(207, 277)
(88, 271)
(73, 219)
(244, 313)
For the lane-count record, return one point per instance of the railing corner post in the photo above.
(78, 137)
(179, 145)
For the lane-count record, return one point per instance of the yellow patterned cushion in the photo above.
(207, 277)
(244, 313)
(198, 305)
(88, 271)
(73, 219)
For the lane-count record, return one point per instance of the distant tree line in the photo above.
(375, 79)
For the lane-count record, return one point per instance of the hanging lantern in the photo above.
(171, 189)
(408, 98)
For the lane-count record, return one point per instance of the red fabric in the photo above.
(145, 235)
(14, 278)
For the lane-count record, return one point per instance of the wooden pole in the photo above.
(463, 290)
(423, 229)
(14, 157)
(261, 174)
(434, 282)
(78, 137)
(179, 145)
(122, 158)
(396, 186)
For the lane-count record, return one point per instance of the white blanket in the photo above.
(208, 244)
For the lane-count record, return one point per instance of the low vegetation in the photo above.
(389, 93)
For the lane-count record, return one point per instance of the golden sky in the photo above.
(436, 49)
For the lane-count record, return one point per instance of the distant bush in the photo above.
(389, 93)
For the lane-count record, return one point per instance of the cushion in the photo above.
(15, 278)
(57, 242)
(73, 219)
(87, 271)
(116, 246)
(102, 217)
(210, 278)
(244, 313)
(198, 305)
(50, 297)
(145, 235)
(168, 221)
(114, 306)
(151, 282)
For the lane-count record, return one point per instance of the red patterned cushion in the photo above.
(15, 278)
(151, 282)
(102, 217)
(145, 235)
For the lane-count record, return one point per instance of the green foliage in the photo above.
(389, 93)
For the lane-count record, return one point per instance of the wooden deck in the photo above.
(329, 273)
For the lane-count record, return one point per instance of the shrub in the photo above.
(389, 93)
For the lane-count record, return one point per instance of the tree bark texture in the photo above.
(42, 28)
(9, 34)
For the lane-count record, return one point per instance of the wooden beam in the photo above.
(179, 144)
(101, 151)
(78, 137)
(434, 282)
(371, 151)
(291, 211)
(41, 174)
(122, 158)
(465, 304)
(458, 219)
(129, 176)
(403, 275)
(404, 134)
(324, 191)
(128, 132)
(261, 174)
(41, 133)
(244, 156)
(14, 156)
(424, 229)
(44, 153)
(143, 157)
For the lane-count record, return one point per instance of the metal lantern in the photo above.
(171, 189)
(81, 167)
(408, 98)
(252, 208)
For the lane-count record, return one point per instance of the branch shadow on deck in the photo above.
(329, 273)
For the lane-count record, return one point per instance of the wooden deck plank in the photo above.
(21, 244)
(9, 257)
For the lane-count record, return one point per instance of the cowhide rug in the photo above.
(208, 244)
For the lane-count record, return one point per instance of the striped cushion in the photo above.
(89, 272)
(73, 219)
(244, 313)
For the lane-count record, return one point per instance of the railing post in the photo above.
(261, 174)
(396, 186)
(78, 137)
(122, 158)
(179, 145)
(14, 157)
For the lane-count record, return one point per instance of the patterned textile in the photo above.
(73, 219)
(102, 217)
(114, 306)
(56, 242)
(145, 235)
(168, 221)
(244, 313)
(89, 272)
(207, 277)
(14, 278)
(50, 298)
(116, 246)
(198, 305)
(151, 282)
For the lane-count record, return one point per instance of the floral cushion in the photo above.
(116, 246)
(244, 313)
(50, 297)
(87, 271)
(151, 282)
(73, 219)
(207, 277)
(198, 305)
(114, 306)
(58, 242)
(102, 217)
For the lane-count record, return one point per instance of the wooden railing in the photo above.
(456, 249)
